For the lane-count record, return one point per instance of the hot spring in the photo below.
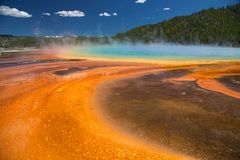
(156, 52)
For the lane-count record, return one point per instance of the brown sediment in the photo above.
(206, 77)
(232, 82)
(161, 110)
(216, 86)
(44, 115)
(51, 117)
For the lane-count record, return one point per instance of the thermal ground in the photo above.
(58, 104)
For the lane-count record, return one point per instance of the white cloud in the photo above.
(140, 1)
(105, 14)
(13, 12)
(46, 14)
(166, 9)
(114, 14)
(75, 13)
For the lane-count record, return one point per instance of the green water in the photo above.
(159, 52)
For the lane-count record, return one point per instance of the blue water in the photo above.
(160, 52)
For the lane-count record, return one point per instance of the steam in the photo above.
(107, 48)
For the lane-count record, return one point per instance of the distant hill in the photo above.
(213, 26)
(8, 41)
(18, 41)
(6, 35)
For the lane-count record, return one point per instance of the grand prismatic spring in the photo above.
(57, 105)
(120, 80)
(155, 52)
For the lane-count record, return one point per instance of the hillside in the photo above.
(213, 26)
(9, 41)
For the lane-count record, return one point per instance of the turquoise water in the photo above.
(159, 52)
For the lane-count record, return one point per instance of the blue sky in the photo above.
(92, 17)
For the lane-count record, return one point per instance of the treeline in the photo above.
(213, 26)
(9, 41)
